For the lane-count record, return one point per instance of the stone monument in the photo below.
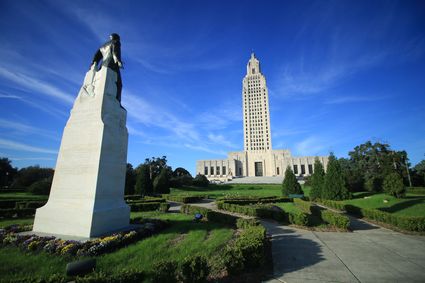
(87, 194)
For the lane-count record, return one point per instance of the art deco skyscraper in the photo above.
(256, 115)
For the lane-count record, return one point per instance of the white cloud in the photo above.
(26, 129)
(221, 140)
(310, 146)
(34, 85)
(205, 149)
(8, 144)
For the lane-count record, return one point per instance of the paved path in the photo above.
(369, 254)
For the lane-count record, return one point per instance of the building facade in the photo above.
(258, 157)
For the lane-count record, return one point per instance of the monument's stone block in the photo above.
(87, 195)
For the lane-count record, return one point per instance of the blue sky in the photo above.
(339, 73)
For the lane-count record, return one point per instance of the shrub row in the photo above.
(267, 211)
(410, 223)
(192, 269)
(149, 206)
(333, 218)
(19, 213)
(416, 190)
(256, 201)
(210, 215)
(19, 203)
(184, 199)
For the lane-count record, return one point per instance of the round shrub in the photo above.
(194, 270)
(40, 187)
(164, 271)
(200, 181)
(393, 185)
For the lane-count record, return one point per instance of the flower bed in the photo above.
(10, 237)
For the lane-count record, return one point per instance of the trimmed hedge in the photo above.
(124, 276)
(409, 223)
(416, 190)
(335, 219)
(29, 204)
(210, 215)
(243, 223)
(149, 206)
(266, 211)
(184, 199)
(13, 212)
(7, 203)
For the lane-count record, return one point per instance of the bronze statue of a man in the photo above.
(110, 54)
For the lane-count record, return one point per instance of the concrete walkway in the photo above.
(369, 254)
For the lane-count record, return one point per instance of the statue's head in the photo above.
(114, 36)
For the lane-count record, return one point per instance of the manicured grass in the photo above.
(288, 207)
(214, 191)
(184, 237)
(411, 205)
(21, 195)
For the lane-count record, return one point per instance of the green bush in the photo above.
(316, 180)
(41, 187)
(201, 181)
(29, 204)
(393, 185)
(290, 184)
(335, 219)
(194, 269)
(243, 223)
(223, 218)
(161, 184)
(164, 271)
(334, 187)
(184, 199)
(189, 209)
(145, 206)
(8, 203)
(20, 213)
(124, 276)
(413, 190)
(298, 218)
(164, 207)
(251, 244)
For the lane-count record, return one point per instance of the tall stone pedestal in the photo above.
(87, 195)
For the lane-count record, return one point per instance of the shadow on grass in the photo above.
(403, 205)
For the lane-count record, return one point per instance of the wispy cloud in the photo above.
(12, 145)
(35, 85)
(310, 146)
(221, 141)
(205, 149)
(26, 129)
(354, 99)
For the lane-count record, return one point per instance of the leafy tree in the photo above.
(418, 174)
(7, 172)
(161, 184)
(130, 180)
(317, 180)
(354, 178)
(29, 175)
(393, 185)
(334, 184)
(181, 177)
(143, 181)
(290, 184)
(201, 181)
(156, 164)
(376, 161)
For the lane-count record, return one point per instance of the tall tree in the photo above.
(418, 174)
(161, 184)
(143, 185)
(317, 180)
(29, 175)
(7, 172)
(290, 184)
(393, 185)
(156, 164)
(130, 180)
(334, 184)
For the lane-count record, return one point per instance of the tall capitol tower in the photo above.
(258, 159)
(256, 114)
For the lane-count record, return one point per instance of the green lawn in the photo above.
(411, 205)
(183, 238)
(288, 207)
(214, 191)
(21, 195)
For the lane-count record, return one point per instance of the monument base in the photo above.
(87, 194)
